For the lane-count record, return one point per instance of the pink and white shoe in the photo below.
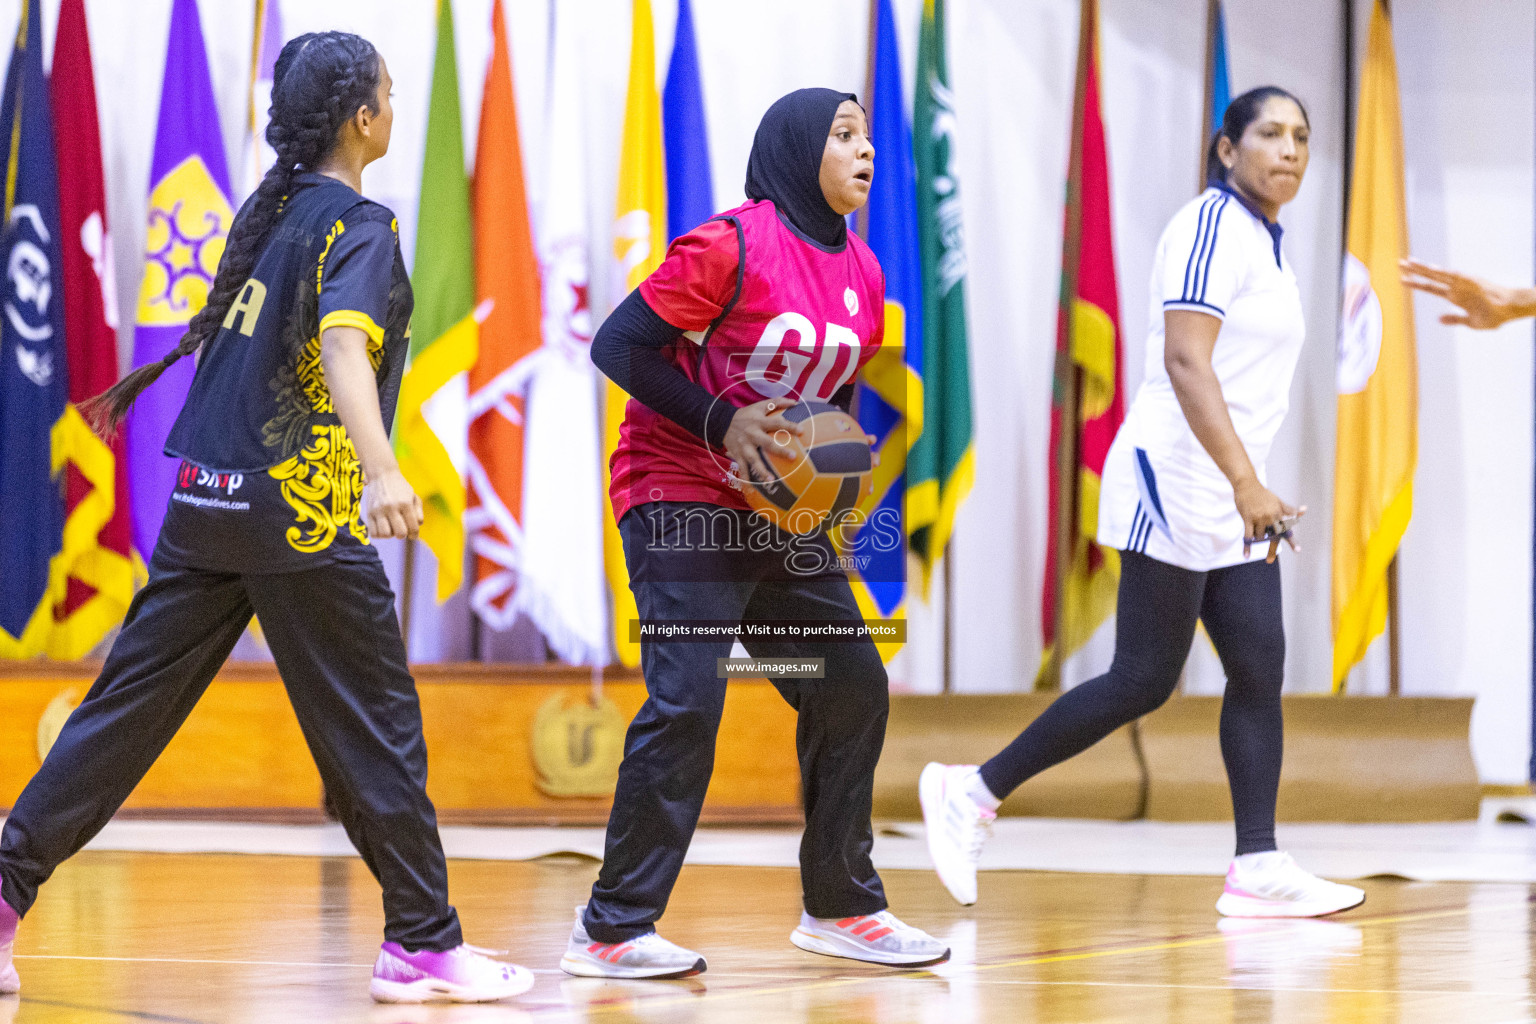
(463, 974)
(10, 981)
(956, 827)
(1273, 885)
(880, 938)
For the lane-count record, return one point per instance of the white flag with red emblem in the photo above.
(562, 588)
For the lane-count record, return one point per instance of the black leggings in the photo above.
(1157, 609)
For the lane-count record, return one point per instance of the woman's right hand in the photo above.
(754, 427)
(390, 506)
(1261, 510)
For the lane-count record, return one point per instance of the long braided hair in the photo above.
(319, 82)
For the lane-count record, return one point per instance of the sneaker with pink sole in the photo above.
(464, 974)
(1273, 885)
(10, 982)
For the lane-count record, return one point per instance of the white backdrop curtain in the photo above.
(1467, 83)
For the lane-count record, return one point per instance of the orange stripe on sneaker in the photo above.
(878, 933)
(864, 926)
(594, 947)
(845, 922)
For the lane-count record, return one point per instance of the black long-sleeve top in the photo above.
(629, 348)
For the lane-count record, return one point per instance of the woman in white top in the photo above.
(1184, 500)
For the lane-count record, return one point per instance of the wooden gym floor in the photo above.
(186, 939)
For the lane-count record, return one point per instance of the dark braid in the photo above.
(319, 82)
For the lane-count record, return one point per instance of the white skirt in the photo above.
(1170, 507)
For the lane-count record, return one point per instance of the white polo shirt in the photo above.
(1162, 494)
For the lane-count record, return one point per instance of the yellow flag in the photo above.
(1377, 371)
(639, 243)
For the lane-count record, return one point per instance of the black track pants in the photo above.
(337, 645)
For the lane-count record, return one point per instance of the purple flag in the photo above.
(189, 218)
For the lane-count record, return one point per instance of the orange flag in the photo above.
(507, 273)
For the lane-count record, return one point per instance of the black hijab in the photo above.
(785, 165)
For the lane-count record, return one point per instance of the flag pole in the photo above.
(471, 568)
(1208, 117)
(861, 218)
(1348, 164)
(1066, 372)
(251, 113)
(1207, 129)
(407, 584)
(944, 621)
(1394, 649)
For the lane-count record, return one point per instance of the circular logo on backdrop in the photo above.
(1359, 329)
(577, 748)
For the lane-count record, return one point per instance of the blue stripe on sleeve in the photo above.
(1195, 248)
(1193, 291)
(1205, 275)
(1194, 306)
(1202, 246)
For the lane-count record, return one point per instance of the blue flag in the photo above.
(189, 218)
(34, 375)
(685, 141)
(889, 398)
(1220, 84)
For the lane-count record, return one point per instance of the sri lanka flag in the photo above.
(890, 391)
(1088, 401)
(189, 218)
(42, 432)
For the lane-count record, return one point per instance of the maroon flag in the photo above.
(100, 584)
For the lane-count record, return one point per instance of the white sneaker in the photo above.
(649, 956)
(1274, 885)
(957, 826)
(10, 981)
(879, 938)
(463, 974)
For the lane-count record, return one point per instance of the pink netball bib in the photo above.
(768, 314)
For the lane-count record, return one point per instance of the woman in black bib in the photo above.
(286, 474)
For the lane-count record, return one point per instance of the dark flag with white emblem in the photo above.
(34, 376)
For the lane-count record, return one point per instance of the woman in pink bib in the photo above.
(766, 305)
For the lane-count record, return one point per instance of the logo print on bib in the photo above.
(851, 301)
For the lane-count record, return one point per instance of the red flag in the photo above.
(1089, 393)
(100, 582)
(507, 273)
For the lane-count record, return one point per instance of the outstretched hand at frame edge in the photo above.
(1483, 304)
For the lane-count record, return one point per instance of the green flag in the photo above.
(432, 440)
(941, 464)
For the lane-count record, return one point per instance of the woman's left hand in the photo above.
(1484, 305)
